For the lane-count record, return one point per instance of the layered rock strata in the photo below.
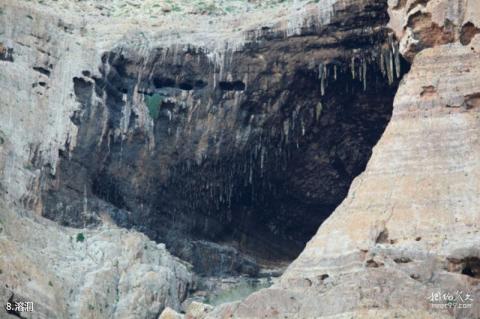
(409, 228)
(107, 272)
(234, 135)
(240, 137)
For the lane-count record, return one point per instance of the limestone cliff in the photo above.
(409, 227)
(230, 131)
(103, 273)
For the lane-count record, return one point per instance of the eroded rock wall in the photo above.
(248, 145)
(425, 24)
(103, 122)
(409, 227)
(108, 272)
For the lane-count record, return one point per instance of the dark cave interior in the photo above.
(240, 168)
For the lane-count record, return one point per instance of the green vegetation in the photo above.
(153, 104)
(50, 284)
(185, 7)
(80, 237)
(208, 8)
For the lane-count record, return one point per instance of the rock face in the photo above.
(236, 136)
(69, 273)
(103, 273)
(240, 140)
(227, 140)
(425, 24)
(409, 227)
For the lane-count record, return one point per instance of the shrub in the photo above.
(153, 104)
(80, 237)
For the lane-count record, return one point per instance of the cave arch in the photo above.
(243, 175)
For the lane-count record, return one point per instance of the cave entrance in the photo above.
(236, 166)
(245, 192)
(268, 199)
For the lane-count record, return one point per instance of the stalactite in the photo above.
(250, 176)
(322, 85)
(352, 66)
(396, 53)
(321, 76)
(364, 74)
(85, 199)
(389, 64)
(382, 62)
(261, 162)
(318, 110)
